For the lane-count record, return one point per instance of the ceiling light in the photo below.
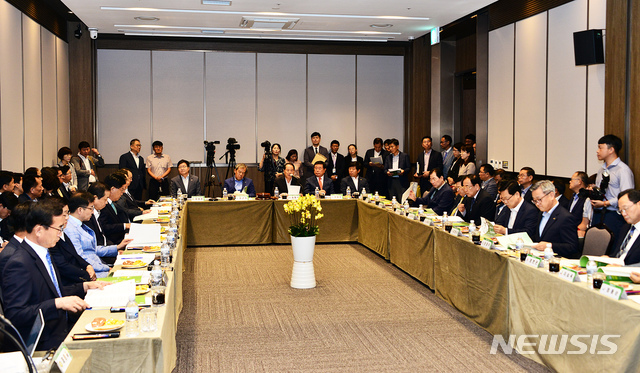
(253, 36)
(146, 18)
(269, 23)
(236, 29)
(216, 2)
(381, 25)
(212, 31)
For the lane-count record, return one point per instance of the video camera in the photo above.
(232, 145)
(210, 145)
(267, 147)
(595, 194)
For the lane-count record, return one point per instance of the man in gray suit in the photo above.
(188, 184)
(85, 165)
(488, 182)
(447, 154)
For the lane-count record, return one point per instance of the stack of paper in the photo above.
(144, 235)
(511, 239)
(114, 295)
(151, 215)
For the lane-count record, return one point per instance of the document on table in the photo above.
(151, 215)
(144, 235)
(601, 259)
(114, 295)
(143, 273)
(294, 189)
(412, 187)
(511, 239)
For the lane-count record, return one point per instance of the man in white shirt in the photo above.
(132, 161)
(158, 167)
(518, 216)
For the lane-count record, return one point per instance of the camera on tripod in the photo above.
(210, 147)
(267, 147)
(232, 145)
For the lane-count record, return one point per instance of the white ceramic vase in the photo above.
(302, 275)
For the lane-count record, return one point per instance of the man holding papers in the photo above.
(441, 196)
(627, 246)
(518, 216)
(478, 203)
(397, 167)
(284, 181)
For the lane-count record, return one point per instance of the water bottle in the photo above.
(472, 228)
(317, 193)
(592, 267)
(165, 251)
(156, 274)
(179, 194)
(519, 244)
(444, 219)
(394, 202)
(349, 191)
(276, 192)
(364, 193)
(224, 193)
(548, 254)
(406, 207)
(420, 209)
(131, 314)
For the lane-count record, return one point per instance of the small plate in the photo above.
(133, 266)
(103, 329)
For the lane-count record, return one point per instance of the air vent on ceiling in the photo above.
(269, 23)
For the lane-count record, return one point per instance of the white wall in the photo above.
(185, 97)
(34, 92)
(557, 108)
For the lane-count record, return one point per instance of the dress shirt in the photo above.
(185, 181)
(395, 161)
(513, 215)
(288, 182)
(620, 178)
(112, 205)
(525, 190)
(334, 157)
(355, 182)
(135, 159)
(427, 155)
(238, 184)
(625, 250)
(545, 218)
(84, 240)
(158, 164)
(43, 254)
(87, 166)
(96, 214)
(474, 201)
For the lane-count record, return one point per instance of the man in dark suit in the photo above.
(287, 179)
(398, 179)
(478, 203)
(310, 153)
(374, 172)
(354, 181)
(336, 165)
(580, 206)
(440, 197)
(33, 189)
(239, 183)
(488, 181)
(101, 193)
(517, 215)
(64, 190)
(319, 180)
(8, 202)
(525, 179)
(432, 159)
(187, 183)
(19, 221)
(134, 162)
(559, 194)
(113, 218)
(555, 224)
(627, 245)
(30, 281)
(131, 206)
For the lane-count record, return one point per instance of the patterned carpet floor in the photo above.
(365, 315)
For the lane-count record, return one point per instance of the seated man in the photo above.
(113, 219)
(478, 203)
(488, 181)
(354, 181)
(627, 246)
(239, 183)
(8, 202)
(559, 193)
(130, 205)
(31, 282)
(32, 186)
(555, 225)
(319, 180)
(518, 215)
(284, 181)
(81, 207)
(580, 206)
(19, 220)
(440, 197)
(185, 182)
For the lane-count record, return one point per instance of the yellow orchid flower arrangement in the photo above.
(304, 214)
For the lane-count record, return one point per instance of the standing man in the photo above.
(319, 180)
(397, 166)
(580, 206)
(488, 182)
(310, 153)
(85, 164)
(134, 162)
(555, 225)
(427, 161)
(158, 167)
(336, 165)
(447, 154)
(613, 177)
(525, 179)
(375, 174)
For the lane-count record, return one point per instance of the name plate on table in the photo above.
(293, 197)
(533, 261)
(569, 275)
(455, 232)
(242, 197)
(613, 291)
(197, 198)
(398, 212)
(335, 196)
(487, 244)
(428, 222)
(63, 358)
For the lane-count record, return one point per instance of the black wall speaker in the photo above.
(587, 47)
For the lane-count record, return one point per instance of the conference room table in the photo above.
(497, 292)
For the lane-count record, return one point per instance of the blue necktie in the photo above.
(623, 247)
(52, 273)
(91, 233)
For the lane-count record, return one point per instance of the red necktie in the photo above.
(320, 182)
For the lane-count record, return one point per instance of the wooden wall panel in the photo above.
(418, 82)
(634, 93)
(615, 74)
(62, 89)
(81, 89)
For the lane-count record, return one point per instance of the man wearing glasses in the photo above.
(525, 179)
(555, 225)
(627, 246)
(518, 216)
(478, 203)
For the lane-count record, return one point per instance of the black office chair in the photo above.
(597, 240)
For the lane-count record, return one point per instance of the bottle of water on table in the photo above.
(131, 315)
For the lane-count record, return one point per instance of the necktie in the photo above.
(623, 247)
(114, 208)
(320, 182)
(315, 150)
(52, 273)
(433, 195)
(90, 232)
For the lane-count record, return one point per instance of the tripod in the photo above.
(230, 159)
(209, 177)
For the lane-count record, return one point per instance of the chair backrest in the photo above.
(597, 241)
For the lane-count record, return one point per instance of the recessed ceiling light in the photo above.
(146, 18)
(216, 2)
(381, 25)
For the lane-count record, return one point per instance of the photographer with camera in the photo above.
(271, 164)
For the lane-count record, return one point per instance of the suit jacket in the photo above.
(403, 163)
(435, 161)
(438, 200)
(526, 220)
(454, 170)
(527, 196)
(139, 173)
(491, 187)
(447, 162)
(63, 192)
(6, 254)
(112, 224)
(281, 183)
(95, 227)
(348, 182)
(308, 156)
(483, 207)
(456, 202)
(82, 172)
(633, 256)
(71, 267)
(564, 202)
(230, 184)
(312, 183)
(340, 167)
(130, 206)
(27, 287)
(24, 197)
(6, 229)
(560, 231)
(194, 186)
(370, 171)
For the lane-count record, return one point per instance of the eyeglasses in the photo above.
(625, 209)
(89, 208)
(59, 229)
(537, 201)
(506, 200)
